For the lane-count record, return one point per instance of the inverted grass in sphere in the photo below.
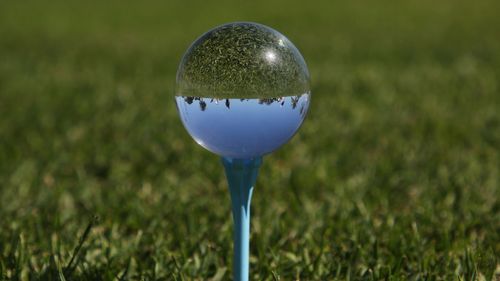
(242, 60)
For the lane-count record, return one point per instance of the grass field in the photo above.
(395, 175)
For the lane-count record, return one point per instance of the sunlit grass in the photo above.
(393, 176)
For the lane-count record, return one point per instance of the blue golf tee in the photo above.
(241, 176)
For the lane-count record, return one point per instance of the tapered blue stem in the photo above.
(241, 176)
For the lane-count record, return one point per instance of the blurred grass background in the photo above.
(393, 176)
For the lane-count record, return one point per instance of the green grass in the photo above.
(395, 175)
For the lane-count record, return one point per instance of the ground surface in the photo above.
(394, 175)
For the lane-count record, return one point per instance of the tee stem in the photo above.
(241, 176)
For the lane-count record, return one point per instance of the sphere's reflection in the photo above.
(242, 90)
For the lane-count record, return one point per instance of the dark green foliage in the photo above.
(395, 175)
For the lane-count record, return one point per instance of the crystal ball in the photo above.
(242, 90)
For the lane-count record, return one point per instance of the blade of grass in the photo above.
(70, 267)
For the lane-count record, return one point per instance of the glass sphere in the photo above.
(242, 90)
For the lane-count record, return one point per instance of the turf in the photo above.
(393, 176)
